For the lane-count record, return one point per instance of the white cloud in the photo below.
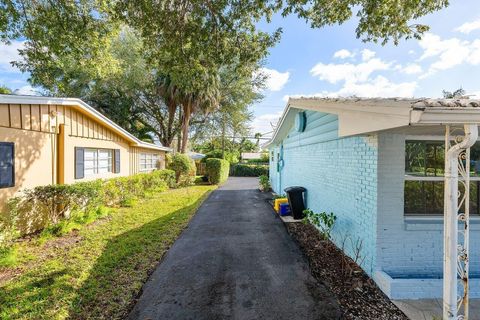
(377, 87)
(359, 79)
(468, 27)
(9, 53)
(474, 95)
(264, 122)
(412, 68)
(275, 80)
(343, 54)
(448, 53)
(367, 54)
(26, 91)
(334, 73)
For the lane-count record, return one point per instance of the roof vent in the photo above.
(300, 121)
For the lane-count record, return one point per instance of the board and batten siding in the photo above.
(340, 175)
(36, 117)
(135, 158)
(35, 131)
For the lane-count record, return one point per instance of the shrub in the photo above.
(264, 183)
(189, 178)
(165, 175)
(264, 159)
(181, 164)
(217, 170)
(231, 156)
(248, 170)
(57, 208)
(323, 221)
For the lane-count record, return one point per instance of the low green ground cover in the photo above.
(96, 270)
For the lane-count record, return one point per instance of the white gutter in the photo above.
(438, 115)
(18, 99)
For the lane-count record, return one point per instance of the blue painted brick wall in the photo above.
(340, 176)
(361, 180)
(409, 247)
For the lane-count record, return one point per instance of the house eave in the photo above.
(443, 116)
(359, 116)
(74, 102)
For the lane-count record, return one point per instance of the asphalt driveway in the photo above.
(234, 261)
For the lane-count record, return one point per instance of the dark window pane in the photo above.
(424, 158)
(426, 197)
(414, 197)
(7, 170)
(436, 190)
(415, 158)
(475, 160)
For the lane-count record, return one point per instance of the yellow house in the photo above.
(46, 140)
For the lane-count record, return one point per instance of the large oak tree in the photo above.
(185, 45)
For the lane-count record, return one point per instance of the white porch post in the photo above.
(455, 260)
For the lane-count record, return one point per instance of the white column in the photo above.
(451, 219)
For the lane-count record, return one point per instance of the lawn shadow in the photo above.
(114, 281)
(127, 261)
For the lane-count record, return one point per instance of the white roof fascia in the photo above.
(18, 99)
(287, 116)
(436, 115)
(363, 116)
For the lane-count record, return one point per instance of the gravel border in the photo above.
(358, 295)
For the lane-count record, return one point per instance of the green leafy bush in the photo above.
(182, 165)
(263, 159)
(189, 178)
(264, 183)
(217, 170)
(323, 221)
(164, 175)
(248, 170)
(231, 156)
(57, 208)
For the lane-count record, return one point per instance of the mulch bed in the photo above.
(357, 294)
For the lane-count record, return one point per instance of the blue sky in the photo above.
(332, 62)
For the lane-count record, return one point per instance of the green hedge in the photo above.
(248, 170)
(217, 170)
(184, 167)
(35, 209)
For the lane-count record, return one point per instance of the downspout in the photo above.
(451, 219)
(280, 168)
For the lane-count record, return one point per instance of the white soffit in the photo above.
(367, 115)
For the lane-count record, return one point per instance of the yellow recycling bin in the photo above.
(276, 204)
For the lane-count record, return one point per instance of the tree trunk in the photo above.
(172, 112)
(186, 125)
(179, 135)
(223, 140)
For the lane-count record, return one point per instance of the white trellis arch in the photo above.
(456, 239)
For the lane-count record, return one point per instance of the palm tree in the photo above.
(257, 136)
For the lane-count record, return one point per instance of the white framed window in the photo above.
(424, 177)
(149, 161)
(98, 161)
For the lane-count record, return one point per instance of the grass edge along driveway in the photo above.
(99, 273)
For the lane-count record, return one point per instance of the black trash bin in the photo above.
(296, 201)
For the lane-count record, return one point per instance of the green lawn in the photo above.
(96, 272)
